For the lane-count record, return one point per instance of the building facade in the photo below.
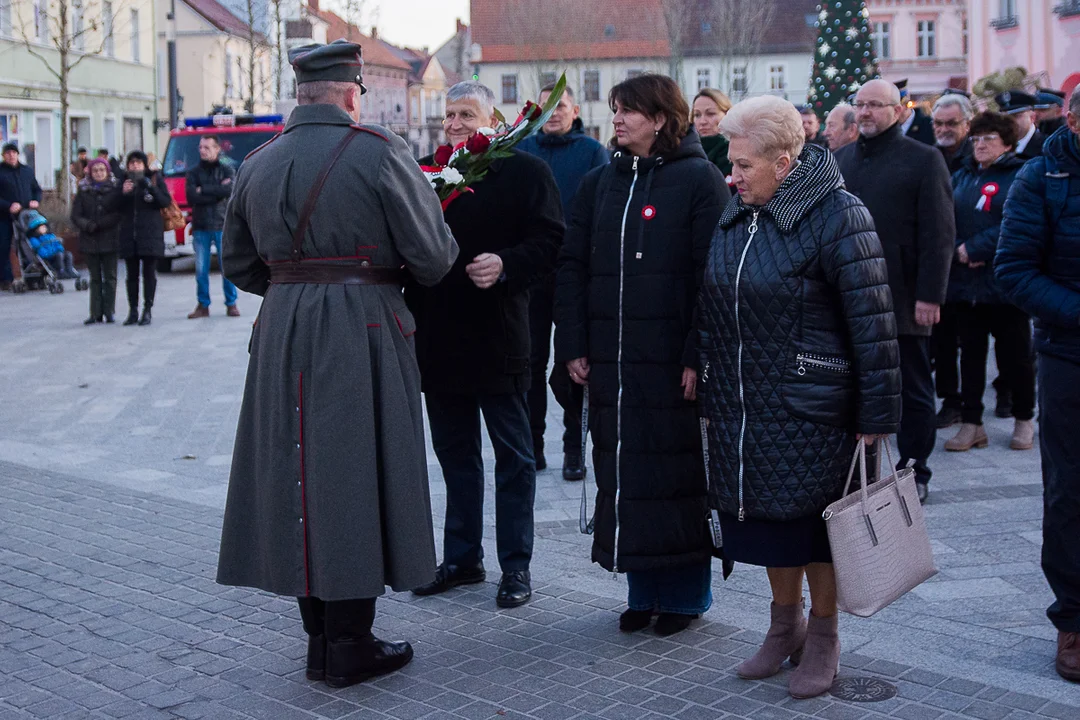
(111, 85)
(1042, 36)
(924, 41)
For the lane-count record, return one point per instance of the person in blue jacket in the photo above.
(570, 153)
(47, 246)
(1038, 267)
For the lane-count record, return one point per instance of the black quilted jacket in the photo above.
(798, 334)
(627, 284)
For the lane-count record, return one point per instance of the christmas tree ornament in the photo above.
(844, 61)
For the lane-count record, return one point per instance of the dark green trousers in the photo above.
(102, 267)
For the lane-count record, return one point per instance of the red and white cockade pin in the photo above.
(989, 190)
(648, 212)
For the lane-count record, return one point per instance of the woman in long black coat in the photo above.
(142, 232)
(96, 214)
(627, 285)
(798, 341)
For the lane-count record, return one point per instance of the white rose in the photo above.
(451, 176)
(487, 131)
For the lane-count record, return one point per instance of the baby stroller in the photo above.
(44, 261)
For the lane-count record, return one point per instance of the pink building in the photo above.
(924, 41)
(1039, 35)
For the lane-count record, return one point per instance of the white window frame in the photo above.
(504, 80)
(585, 84)
(40, 9)
(740, 82)
(5, 18)
(1007, 9)
(926, 38)
(777, 79)
(881, 36)
(703, 78)
(136, 39)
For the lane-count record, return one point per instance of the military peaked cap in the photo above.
(339, 61)
(1014, 101)
(1047, 98)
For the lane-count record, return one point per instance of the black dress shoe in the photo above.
(1004, 408)
(349, 662)
(132, 318)
(90, 320)
(450, 576)
(671, 623)
(109, 319)
(572, 467)
(316, 657)
(515, 589)
(145, 319)
(634, 620)
(923, 490)
(947, 417)
(541, 461)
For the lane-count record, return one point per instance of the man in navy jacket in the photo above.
(19, 190)
(1038, 267)
(570, 153)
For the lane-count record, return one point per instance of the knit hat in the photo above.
(97, 161)
(137, 155)
(36, 220)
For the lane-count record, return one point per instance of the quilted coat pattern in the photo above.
(800, 346)
(627, 285)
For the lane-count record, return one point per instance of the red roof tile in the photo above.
(375, 52)
(219, 16)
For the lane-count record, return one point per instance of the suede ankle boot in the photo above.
(786, 636)
(820, 660)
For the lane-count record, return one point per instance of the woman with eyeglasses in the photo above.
(980, 187)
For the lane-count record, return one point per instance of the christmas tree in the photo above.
(844, 57)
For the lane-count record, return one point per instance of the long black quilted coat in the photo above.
(631, 314)
(810, 324)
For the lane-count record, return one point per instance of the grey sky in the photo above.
(417, 23)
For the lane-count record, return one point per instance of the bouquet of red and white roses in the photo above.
(456, 169)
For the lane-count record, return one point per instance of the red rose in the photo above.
(442, 154)
(478, 143)
(532, 111)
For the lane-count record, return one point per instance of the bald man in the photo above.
(905, 185)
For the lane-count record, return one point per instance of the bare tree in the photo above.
(279, 47)
(737, 30)
(67, 27)
(256, 47)
(550, 38)
(677, 14)
(353, 13)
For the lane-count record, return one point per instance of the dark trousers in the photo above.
(946, 339)
(337, 619)
(568, 394)
(918, 421)
(1011, 329)
(1059, 416)
(149, 278)
(455, 437)
(102, 267)
(7, 232)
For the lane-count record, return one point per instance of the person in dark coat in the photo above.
(811, 124)
(1050, 110)
(18, 189)
(905, 185)
(1037, 267)
(473, 349)
(96, 213)
(708, 109)
(208, 186)
(628, 280)
(1020, 106)
(979, 192)
(142, 232)
(570, 153)
(328, 496)
(914, 123)
(798, 341)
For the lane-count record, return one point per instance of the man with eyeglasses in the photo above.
(905, 185)
(952, 121)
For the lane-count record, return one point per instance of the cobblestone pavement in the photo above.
(114, 451)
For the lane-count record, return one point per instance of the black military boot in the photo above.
(353, 654)
(133, 316)
(312, 612)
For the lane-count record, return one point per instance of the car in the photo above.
(239, 135)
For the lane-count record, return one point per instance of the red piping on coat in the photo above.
(371, 325)
(303, 491)
(401, 327)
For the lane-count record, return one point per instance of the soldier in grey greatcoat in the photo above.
(328, 497)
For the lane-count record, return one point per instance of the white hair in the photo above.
(469, 90)
(845, 112)
(771, 124)
(956, 101)
(1074, 101)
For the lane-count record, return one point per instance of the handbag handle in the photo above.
(860, 460)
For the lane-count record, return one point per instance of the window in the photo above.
(41, 20)
(1007, 8)
(925, 46)
(5, 18)
(547, 78)
(107, 28)
(704, 78)
(738, 79)
(135, 40)
(633, 73)
(1007, 17)
(78, 30)
(591, 85)
(230, 88)
(776, 78)
(881, 39)
(509, 89)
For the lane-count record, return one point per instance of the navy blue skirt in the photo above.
(778, 544)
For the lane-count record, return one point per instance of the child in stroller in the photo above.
(39, 246)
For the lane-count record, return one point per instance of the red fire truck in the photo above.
(239, 135)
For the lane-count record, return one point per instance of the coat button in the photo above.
(364, 263)
(297, 446)
(301, 519)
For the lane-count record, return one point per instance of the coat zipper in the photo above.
(618, 409)
(742, 385)
(838, 365)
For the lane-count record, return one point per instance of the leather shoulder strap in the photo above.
(313, 194)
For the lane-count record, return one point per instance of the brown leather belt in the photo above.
(317, 273)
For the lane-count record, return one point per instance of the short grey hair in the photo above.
(1074, 101)
(956, 101)
(471, 90)
(771, 124)
(847, 113)
(324, 92)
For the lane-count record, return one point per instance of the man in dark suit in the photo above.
(914, 123)
(1020, 106)
(1050, 110)
(905, 185)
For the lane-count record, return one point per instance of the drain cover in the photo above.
(862, 689)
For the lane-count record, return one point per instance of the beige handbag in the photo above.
(878, 539)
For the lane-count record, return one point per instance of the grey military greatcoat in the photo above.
(328, 495)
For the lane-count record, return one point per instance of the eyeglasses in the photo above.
(951, 124)
(993, 137)
(872, 105)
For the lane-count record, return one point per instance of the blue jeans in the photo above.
(683, 590)
(203, 239)
(455, 437)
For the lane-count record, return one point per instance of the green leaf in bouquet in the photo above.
(549, 107)
(500, 117)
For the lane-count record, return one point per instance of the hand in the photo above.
(129, 187)
(962, 254)
(579, 370)
(226, 181)
(34, 205)
(927, 314)
(870, 439)
(198, 190)
(15, 208)
(485, 270)
(974, 265)
(689, 383)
